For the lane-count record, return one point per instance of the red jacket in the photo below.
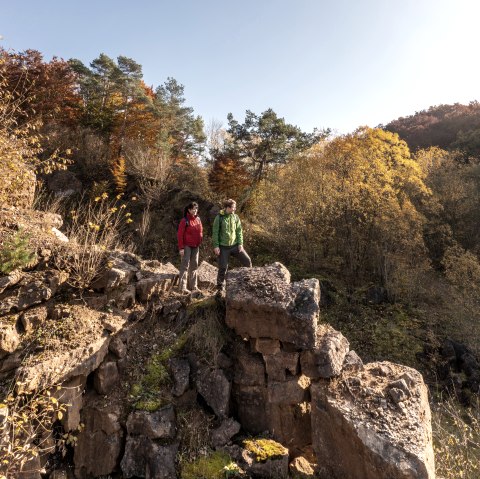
(190, 235)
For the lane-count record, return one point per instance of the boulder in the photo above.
(160, 424)
(207, 276)
(134, 462)
(102, 439)
(300, 468)
(71, 394)
(357, 434)
(160, 461)
(223, 434)
(117, 347)
(326, 360)
(275, 465)
(145, 458)
(117, 273)
(33, 318)
(63, 183)
(262, 303)
(105, 377)
(180, 372)
(251, 407)
(352, 362)
(9, 338)
(152, 284)
(215, 388)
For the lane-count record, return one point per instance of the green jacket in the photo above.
(227, 230)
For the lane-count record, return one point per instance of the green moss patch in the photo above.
(217, 465)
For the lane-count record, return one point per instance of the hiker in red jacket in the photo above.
(190, 235)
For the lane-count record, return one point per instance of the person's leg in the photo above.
(192, 270)
(222, 266)
(182, 276)
(242, 257)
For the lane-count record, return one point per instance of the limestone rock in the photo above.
(145, 458)
(249, 368)
(266, 345)
(355, 434)
(160, 463)
(101, 439)
(134, 463)
(352, 362)
(152, 284)
(293, 391)
(9, 338)
(10, 280)
(116, 274)
(180, 371)
(281, 364)
(261, 303)
(33, 289)
(326, 360)
(117, 347)
(215, 388)
(105, 377)
(275, 466)
(251, 407)
(71, 394)
(160, 424)
(223, 434)
(300, 468)
(33, 318)
(207, 275)
(83, 353)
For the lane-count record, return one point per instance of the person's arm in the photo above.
(239, 231)
(181, 234)
(216, 235)
(201, 230)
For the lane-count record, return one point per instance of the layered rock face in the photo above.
(370, 422)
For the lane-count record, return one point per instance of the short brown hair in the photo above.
(229, 203)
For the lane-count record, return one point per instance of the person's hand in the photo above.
(217, 251)
(182, 252)
(240, 248)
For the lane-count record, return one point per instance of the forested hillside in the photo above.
(386, 218)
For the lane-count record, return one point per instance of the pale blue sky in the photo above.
(317, 63)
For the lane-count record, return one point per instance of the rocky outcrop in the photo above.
(360, 430)
(372, 422)
(262, 303)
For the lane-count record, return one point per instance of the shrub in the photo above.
(456, 435)
(16, 252)
(95, 227)
(26, 422)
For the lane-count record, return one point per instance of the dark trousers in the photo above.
(225, 252)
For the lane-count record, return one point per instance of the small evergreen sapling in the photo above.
(15, 252)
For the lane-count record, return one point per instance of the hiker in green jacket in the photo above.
(228, 240)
